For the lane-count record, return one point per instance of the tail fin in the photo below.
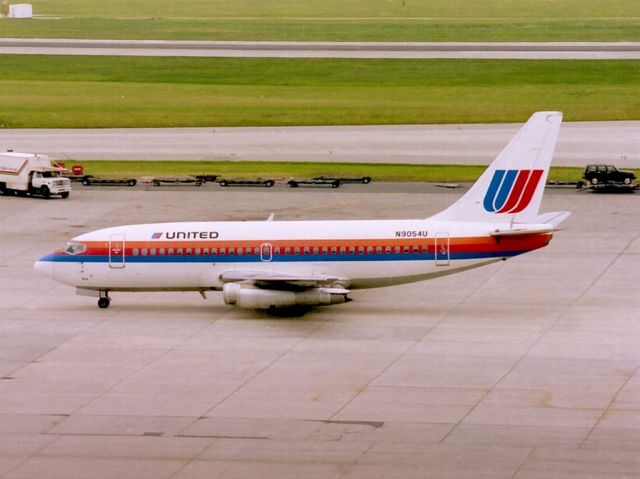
(511, 187)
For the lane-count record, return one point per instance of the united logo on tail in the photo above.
(510, 191)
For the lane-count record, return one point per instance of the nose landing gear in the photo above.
(104, 300)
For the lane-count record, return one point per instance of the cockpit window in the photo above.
(74, 247)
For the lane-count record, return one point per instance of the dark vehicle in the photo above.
(206, 178)
(607, 175)
(89, 180)
(333, 183)
(360, 179)
(267, 183)
(177, 180)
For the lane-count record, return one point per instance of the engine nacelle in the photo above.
(251, 297)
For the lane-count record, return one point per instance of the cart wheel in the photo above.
(293, 184)
(223, 183)
(132, 182)
(335, 184)
(86, 182)
(198, 183)
(366, 180)
(156, 183)
(269, 183)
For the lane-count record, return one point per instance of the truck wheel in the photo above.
(594, 181)
(627, 181)
(44, 191)
(65, 194)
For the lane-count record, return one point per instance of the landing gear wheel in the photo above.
(103, 303)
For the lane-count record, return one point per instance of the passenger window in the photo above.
(171, 251)
(360, 249)
(306, 250)
(325, 250)
(136, 251)
(144, 251)
(406, 249)
(316, 250)
(232, 251)
(163, 251)
(369, 249)
(153, 251)
(189, 251)
(296, 250)
(205, 251)
(198, 251)
(277, 250)
(287, 250)
(343, 249)
(180, 251)
(352, 249)
(396, 249)
(387, 249)
(223, 251)
(378, 249)
(424, 248)
(334, 250)
(214, 251)
(416, 249)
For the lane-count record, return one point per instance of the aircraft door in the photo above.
(442, 255)
(116, 251)
(266, 252)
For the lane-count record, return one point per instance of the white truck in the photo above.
(31, 174)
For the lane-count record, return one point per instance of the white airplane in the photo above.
(275, 264)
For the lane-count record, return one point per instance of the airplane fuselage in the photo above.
(358, 254)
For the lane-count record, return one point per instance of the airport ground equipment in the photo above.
(342, 179)
(267, 183)
(333, 183)
(603, 177)
(31, 174)
(89, 180)
(177, 180)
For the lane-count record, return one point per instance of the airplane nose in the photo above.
(44, 267)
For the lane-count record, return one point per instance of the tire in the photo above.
(223, 183)
(198, 183)
(65, 194)
(366, 180)
(594, 181)
(335, 184)
(44, 191)
(156, 183)
(103, 303)
(269, 183)
(86, 182)
(293, 184)
(579, 185)
(627, 181)
(132, 182)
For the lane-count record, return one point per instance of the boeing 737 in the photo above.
(278, 264)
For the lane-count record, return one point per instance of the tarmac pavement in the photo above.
(524, 369)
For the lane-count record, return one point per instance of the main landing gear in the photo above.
(104, 300)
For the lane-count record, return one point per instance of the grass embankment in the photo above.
(285, 170)
(334, 20)
(81, 92)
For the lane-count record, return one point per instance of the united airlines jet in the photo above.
(278, 264)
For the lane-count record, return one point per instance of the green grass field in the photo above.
(285, 170)
(334, 20)
(79, 92)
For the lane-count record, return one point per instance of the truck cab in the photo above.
(49, 182)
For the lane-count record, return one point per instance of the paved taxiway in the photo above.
(579, 143)
(267, 49)
(524, 369)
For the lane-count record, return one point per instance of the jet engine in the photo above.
(252, 297)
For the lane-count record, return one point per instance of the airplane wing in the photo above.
(270, 280)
